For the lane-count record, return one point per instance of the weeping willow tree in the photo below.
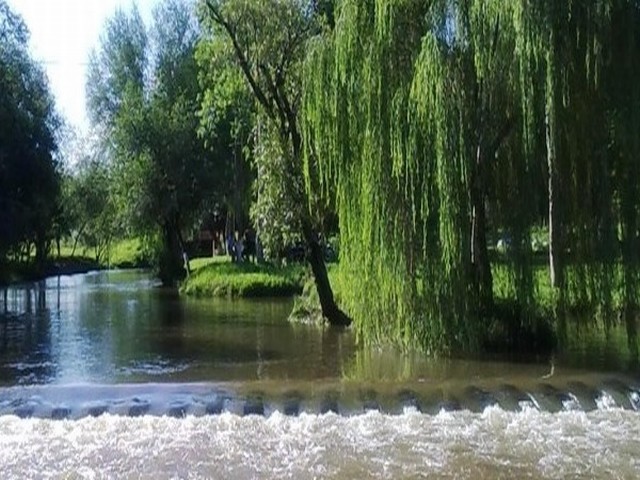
(591, 57)
(432, 125)
(624, 122)
(577, 61)
(409, 107)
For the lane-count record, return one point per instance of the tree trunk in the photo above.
(170, 265)
(479, 250)
(555, 271)
(330, 310)
(41, 250)
(555, 248)
(237, 189)
(183, 250)
(75, 241)
(271, 93)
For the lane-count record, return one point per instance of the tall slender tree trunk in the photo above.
(330, 309)
(237, 188)
(184, 256)
(555, 270)
(75, 241)
(479, 249)
(555, 247)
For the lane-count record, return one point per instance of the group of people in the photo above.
(244, 248)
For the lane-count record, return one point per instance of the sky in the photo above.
(63, 33)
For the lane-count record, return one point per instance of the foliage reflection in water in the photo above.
(120, 327)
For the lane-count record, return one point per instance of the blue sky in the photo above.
(63, 32)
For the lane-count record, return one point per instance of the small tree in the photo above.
(268, 41)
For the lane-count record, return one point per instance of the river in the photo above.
(106, 375)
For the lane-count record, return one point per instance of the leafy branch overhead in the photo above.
(269, 41)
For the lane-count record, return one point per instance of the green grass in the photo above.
(128, 253)
(200, 262)
(125, 253)
(219, 277)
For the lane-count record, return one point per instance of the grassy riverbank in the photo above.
(128, 253)
(16, 272)
(219, 277)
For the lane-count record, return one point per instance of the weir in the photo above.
(294, 398)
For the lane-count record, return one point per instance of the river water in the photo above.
(105, 375)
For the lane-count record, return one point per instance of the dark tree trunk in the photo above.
(186, 266)
(483, 278)
(552, 127)
(170, 265)
(555, 270)
(330, 309)
(41, 250)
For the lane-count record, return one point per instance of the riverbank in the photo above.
(14, 272)
(127, 253)
(219, 277)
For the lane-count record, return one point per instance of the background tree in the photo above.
(227, 119)
(29, 173)
(145, 88)
(117, 71)
(89, 204)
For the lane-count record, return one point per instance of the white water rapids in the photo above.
(461, 445)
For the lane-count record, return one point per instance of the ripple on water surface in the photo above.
(492, 444)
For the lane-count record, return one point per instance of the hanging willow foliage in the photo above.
(437, 125)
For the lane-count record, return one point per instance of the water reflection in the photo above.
(113, 327)
(599, 347)
(121, 327)
(24, 330)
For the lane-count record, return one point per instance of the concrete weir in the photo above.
(60, 402)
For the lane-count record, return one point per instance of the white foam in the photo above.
(571, 403)
(605, 401)
(493, 444)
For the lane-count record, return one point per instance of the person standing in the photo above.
(231, 248)
(239, 247)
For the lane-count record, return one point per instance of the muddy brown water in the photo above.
(106, 375)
